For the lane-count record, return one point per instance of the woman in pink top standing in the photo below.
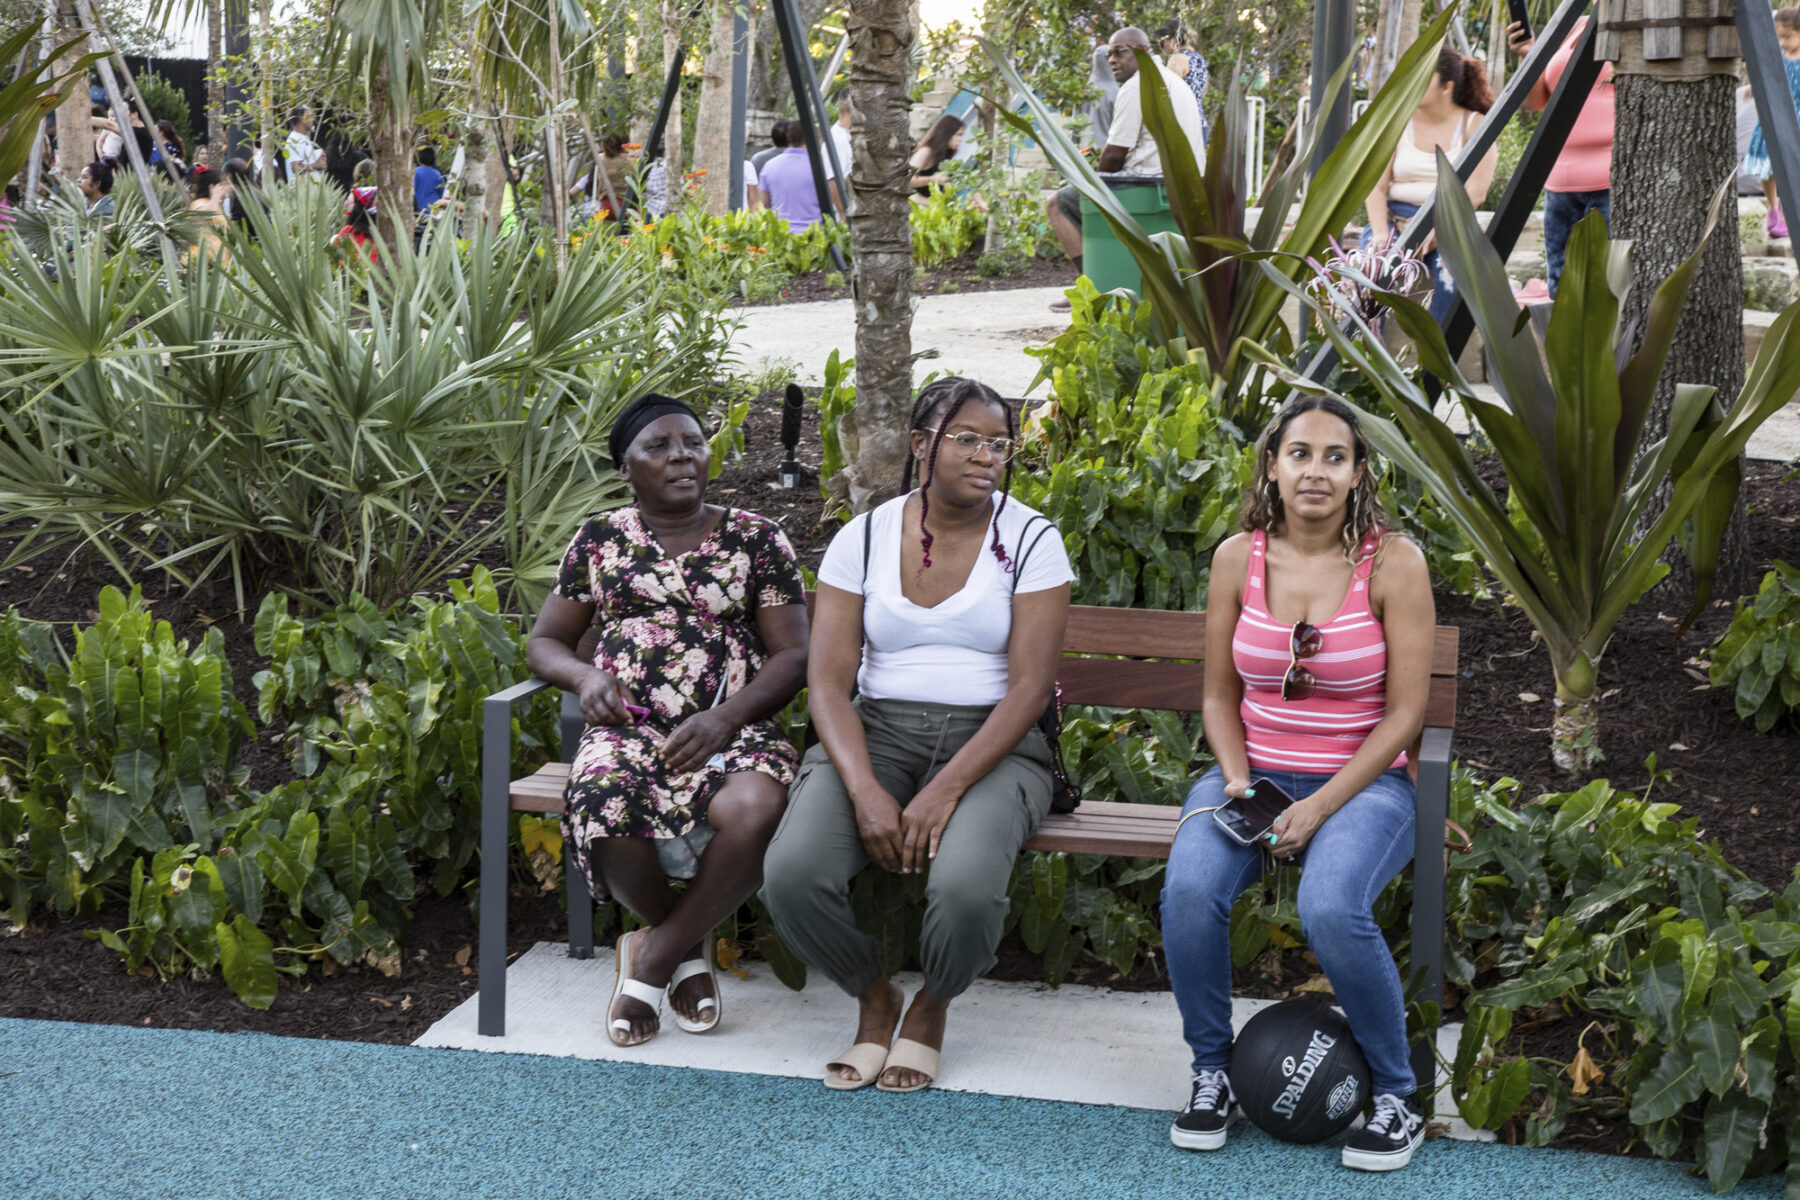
(1318, 659)
(1581, 180)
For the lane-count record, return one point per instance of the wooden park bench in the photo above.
(1113, 657)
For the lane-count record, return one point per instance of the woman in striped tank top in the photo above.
(1318, 660)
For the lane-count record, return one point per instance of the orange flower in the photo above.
(634, 145)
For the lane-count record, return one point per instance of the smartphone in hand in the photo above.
(1246, 819)
(1516, 9)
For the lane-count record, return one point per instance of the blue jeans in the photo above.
(1561, 211)
(1350, 859)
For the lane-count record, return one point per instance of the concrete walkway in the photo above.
(984, 334)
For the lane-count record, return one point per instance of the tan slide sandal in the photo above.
(909, 1055)
(865, 1058)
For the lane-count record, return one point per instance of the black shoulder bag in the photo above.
(1065, 793)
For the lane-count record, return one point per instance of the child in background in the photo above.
(359, 213)
(1756, 160)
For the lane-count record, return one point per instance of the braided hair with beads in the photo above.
(938, 403)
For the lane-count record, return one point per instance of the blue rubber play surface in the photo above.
(144, 1114)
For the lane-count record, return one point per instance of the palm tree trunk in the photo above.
(478, 153)
(712, 128)
(393, 154)
(215, 83)
(881, 35)
(556, 171)
(265, 99)
(74, 136)
(1575, 728)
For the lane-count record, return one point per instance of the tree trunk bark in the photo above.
(881, 35)
(265, 100)
(712, 129)
(393, 173)
(215, 83)
(1391, 42)
(556, 168)
(478, 154)
(74, 136)
(1673, 146)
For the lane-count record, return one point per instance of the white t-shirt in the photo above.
(1129, 130)
(743, 197)
(840, 138)
(112, 145)
(956, 651)
(302, 150)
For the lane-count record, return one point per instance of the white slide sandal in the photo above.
(713, 1006)
(623, 984)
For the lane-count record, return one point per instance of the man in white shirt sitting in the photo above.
(1130, 148)
(303, 154)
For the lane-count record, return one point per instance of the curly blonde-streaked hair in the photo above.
(1263, 507)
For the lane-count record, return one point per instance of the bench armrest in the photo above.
(496, 783)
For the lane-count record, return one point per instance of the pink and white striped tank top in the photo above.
(1320, 734)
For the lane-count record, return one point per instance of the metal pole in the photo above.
(787, 25)
(1534, 168)
(740, 99)
(1768, 79)
(1334, 41)
(34, 168)
(802, 66)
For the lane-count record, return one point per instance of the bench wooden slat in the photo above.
(1133, 839)
(1161, 634)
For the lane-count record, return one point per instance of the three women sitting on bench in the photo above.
(1319, 635)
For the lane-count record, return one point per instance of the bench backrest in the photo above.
(1154, 658)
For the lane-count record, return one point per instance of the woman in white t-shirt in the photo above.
(942, 611)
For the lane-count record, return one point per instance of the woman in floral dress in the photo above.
(700, 618)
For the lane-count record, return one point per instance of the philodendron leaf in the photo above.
(247, 957)
(1671, 1085)
(1731, 1129)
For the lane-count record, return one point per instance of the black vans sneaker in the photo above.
(1201, 1125)
(1387, 1142)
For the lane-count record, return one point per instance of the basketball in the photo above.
(1298, 1073)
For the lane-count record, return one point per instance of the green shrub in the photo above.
(1130, 459)
(169, 103)
(124, 748)
(1609, 905)
(340, 432)
(120, 779)
(944, 227)
(1759, 655)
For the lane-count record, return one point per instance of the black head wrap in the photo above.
(639, 413)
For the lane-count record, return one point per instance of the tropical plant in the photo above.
(944, 227)
(1685, 973)
(1206, 299)
(331, 432)
(1131, 458)
(33, 92)
(1759, 655)
(1566, 543)
(127, 746)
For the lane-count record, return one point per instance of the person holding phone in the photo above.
(936, 638)
(682, 627)
(1581, 180)
(1318, 661)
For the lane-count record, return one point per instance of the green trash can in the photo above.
(1104, 259)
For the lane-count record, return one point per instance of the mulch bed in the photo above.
(958, 275)
(1739, 782)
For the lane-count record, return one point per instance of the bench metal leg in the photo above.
(496, 772)
(1428, 894)
(581, 909)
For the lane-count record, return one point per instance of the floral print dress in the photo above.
(679, 632)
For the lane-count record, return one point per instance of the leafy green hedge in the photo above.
(121, 778)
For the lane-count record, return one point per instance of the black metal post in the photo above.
(1527, 183)
(1334, 41)
(740, 98)
(803, 60)
(787, 24)
(237, 48)
(1768, 79)
(1534, 168)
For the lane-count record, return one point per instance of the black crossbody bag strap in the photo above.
(1065, 795)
